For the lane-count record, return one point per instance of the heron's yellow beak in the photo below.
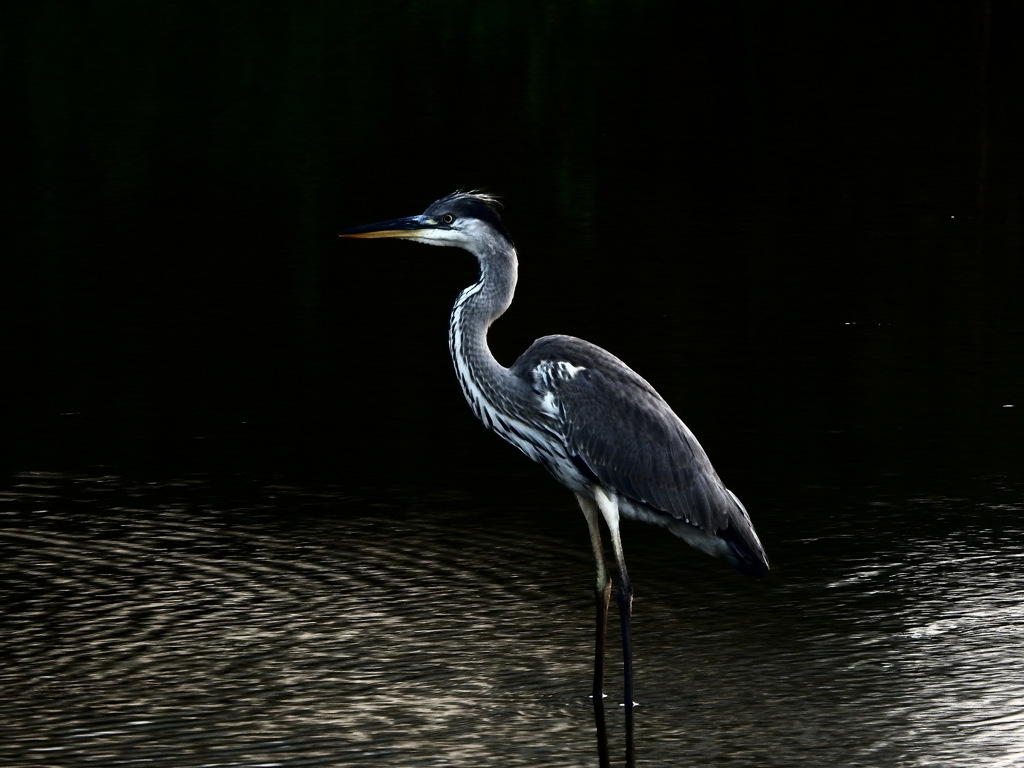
(411, 226)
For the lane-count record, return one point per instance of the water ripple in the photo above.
(195, 622)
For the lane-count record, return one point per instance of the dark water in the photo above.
(186, 623)
(245, 516)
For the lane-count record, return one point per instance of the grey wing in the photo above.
(621, 430)
(633, 442)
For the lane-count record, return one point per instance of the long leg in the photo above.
(609, 507)
(602, 594)
(603, 755)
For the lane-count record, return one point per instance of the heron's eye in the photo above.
(447, 218)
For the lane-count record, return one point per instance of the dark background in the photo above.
(801, 221)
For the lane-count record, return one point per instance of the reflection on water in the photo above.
(208, 623)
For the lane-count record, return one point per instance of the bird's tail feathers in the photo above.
(744, 550)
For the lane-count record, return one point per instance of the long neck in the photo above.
(487, 385)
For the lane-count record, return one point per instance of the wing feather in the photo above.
(629, 438)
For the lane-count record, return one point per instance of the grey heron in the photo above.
(587, 417)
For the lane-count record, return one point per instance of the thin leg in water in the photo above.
(609, 507)
(602, 595)
(603, 755)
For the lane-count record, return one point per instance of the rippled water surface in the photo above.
(202, 622)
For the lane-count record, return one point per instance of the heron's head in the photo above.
(464, 220)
